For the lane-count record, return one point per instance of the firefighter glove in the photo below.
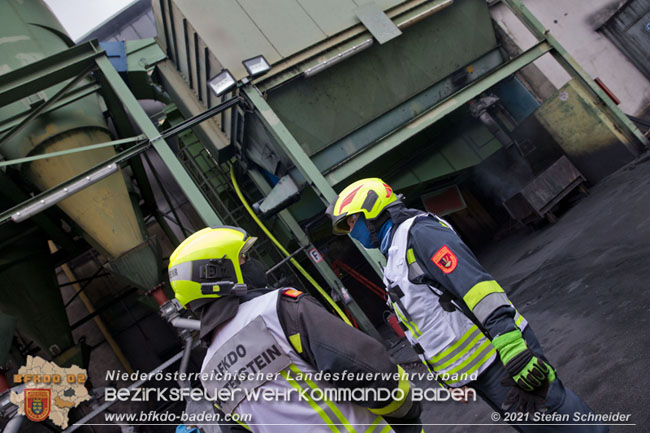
(519, 400)
(528, 371)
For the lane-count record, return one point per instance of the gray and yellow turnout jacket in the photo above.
(285, 342)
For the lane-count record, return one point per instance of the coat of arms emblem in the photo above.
(37, 403)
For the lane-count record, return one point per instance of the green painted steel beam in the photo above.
(290, 146)
(374, 130)
(191, 190)
(434, 114)
(17, 196)
(69, 98)
(74, 150)
(569, 64)
(47, 72)
(120, 157)
(323, 268)
(304, 164)
(37, 111)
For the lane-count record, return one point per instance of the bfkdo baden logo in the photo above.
(37, 403)
(50, 391)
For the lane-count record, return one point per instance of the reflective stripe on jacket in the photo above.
(296, 414)
(449, 343)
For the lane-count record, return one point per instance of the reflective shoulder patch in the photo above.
(245, 362)
(296, 342)
(445, 260)
(292, 293)
(410, 256)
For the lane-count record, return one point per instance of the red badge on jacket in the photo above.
(445, 260)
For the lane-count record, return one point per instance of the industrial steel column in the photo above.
(570, 65)
(177, 170)
(322, 266)
(304, 164)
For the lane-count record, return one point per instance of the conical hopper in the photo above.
(103, 210)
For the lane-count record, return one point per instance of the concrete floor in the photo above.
(583, 285)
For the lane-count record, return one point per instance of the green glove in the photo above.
(527, 370)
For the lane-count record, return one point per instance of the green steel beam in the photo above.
(17, 196)
(434, 114)
(44, 106)
(69, 98)
(301, 160)
(323, 268)
(290, 146)
(193, 193)
(47, 72)
(74, 150)
(117, 159)
(124, 128)
(627, 128)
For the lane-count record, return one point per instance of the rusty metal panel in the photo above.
(573, 118)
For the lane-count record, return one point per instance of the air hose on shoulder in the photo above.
(293, 261)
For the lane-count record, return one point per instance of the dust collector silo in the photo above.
(103, 211)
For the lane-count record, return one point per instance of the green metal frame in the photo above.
(75, 150)
(323, 268)
(303, 163)
(47, 72)
(434, 114)
(41, 108)
(70, 64)
(200, 204)
(322, 183)
(72, 96)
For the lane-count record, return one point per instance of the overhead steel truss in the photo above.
(78, 61)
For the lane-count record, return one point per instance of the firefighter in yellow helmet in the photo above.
(262, 340)
(456, 316)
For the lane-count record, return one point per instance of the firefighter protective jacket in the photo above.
(289, 337)
(427, 259)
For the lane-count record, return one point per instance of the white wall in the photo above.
(80, 17)
(573, 23)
